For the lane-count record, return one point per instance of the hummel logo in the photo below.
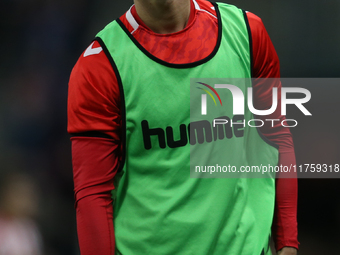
(90, 51)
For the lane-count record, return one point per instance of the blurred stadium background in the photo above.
(42, 39)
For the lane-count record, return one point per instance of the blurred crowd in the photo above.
(40, 43)
(18, 207)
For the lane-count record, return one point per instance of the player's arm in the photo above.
(266, 65)
(93, 122)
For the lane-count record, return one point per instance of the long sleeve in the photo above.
(94, 124)
(94, 167)
(266, 73)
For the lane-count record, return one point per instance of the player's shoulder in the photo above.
(92, 72)
(254, 19)
(93, 49)
(256, 26)
(92, 60)
(93, 53)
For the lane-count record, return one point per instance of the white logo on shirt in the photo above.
(92, 51)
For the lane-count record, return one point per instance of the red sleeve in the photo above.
(266, 65)
(93, 113)
(93, 95)
(94, 166)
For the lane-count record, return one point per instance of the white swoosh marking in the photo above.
(92, 51)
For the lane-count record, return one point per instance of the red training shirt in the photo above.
(94, 120)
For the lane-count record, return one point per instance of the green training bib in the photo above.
(158, 208)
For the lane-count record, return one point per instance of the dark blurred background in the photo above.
(42, 40)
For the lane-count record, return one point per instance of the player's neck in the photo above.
(164, 16)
